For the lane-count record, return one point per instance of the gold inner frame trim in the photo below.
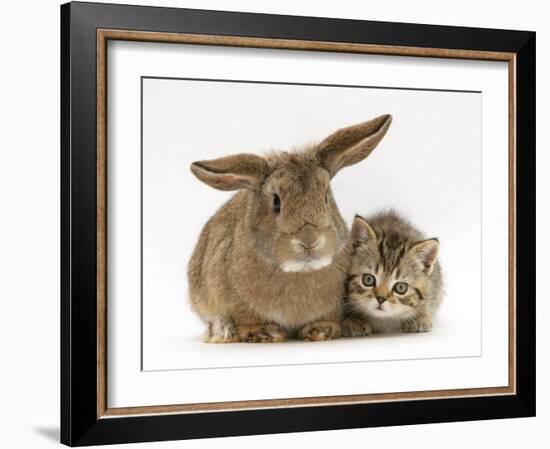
(104, 35)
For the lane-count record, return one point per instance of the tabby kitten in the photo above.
(394, 281)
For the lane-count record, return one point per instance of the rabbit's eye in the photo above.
(276, 203)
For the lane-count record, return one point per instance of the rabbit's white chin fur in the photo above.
(294, 266)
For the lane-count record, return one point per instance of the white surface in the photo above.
(179, 205)
(29, 326)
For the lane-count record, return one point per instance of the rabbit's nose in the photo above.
(311, 245)
(309, 237)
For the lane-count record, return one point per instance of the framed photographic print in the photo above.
(276, 224)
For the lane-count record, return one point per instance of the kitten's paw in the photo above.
(261, 333)
(418, 325)
(352, 327)
(220, 330)
(320, 331)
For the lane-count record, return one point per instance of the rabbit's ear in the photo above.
(240, 171)
(350, 145)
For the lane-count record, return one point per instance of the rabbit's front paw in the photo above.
(220, 330)
(261, 333)
(320, 331)
(353, 327)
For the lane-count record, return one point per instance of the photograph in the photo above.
(293, 213)
(275, 223)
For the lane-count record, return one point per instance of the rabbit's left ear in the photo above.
(350, 145)
(240, 171)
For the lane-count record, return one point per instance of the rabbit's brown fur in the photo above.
(272, 260)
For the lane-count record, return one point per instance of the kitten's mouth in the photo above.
(378, 310)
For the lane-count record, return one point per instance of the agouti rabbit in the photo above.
(272, 260)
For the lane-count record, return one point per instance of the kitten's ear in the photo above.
(240, 171)
(425, 254)
(361, 230)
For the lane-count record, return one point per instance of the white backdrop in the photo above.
(428, 167)
(32, 347)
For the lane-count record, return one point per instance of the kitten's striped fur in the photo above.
(394, 281)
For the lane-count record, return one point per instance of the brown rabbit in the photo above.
(272, 260)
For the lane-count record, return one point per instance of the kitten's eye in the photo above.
(401, 287)
(326, 197)
(369, 280)
(276, 203)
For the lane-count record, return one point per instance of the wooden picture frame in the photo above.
(85, 416)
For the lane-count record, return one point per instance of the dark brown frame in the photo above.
(105, 35)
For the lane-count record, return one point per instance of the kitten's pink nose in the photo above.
(380, 299)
